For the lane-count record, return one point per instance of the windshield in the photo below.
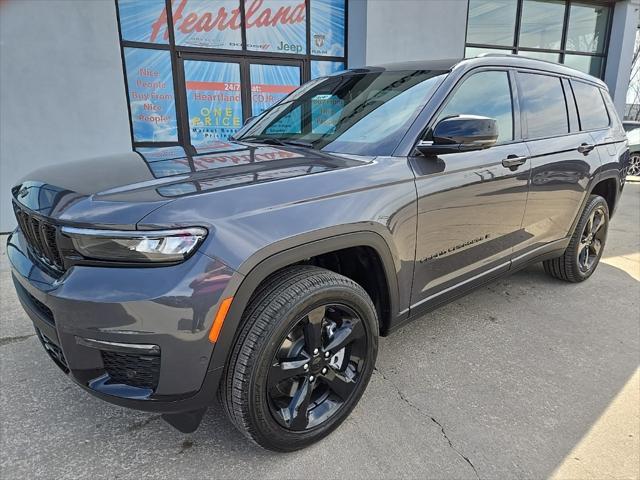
(357, 113)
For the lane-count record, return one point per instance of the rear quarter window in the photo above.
(591, 108)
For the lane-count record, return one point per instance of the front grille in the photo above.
(41, 237)
(142, 371)
(54, 351)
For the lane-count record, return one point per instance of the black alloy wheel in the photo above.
(304, 354)
(317, 367)
(592, 239)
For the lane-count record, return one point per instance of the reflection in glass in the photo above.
(548, 56)
(587, 28)
(541, 24)
(544, 105)
(591, 108)
(362, 114)
(486, 94)
(584, 63)
(471, 52)
(491, 22)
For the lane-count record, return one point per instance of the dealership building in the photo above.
(83, 79)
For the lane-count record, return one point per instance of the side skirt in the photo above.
(545, 252)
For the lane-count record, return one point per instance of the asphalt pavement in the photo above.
(528, 377)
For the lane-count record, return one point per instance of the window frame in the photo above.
(180, 52)
(562, 51)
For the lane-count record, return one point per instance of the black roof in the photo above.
(490, 59)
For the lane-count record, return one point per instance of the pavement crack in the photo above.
(10, 340)
(427, 415)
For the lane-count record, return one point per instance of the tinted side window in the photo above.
(593, 113)
(487, 94)
(543, 105)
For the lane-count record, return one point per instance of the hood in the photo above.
(118, 191)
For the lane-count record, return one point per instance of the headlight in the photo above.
(136, 246)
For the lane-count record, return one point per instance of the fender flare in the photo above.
(260, 270)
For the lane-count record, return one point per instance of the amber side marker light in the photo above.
(219, 320)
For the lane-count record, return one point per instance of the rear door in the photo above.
(471, 204)
(563, 159)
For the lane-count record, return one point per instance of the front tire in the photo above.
(302, 360)
(583, 253)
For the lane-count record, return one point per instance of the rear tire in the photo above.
(303, 357)
(583, 253)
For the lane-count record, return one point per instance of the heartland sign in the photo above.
(256, 14)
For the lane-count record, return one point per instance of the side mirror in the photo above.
(462, 133)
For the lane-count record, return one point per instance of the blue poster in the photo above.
(276, 26)
(151, 98)
(270, 84)
(327, 27)
(143, 21)
(214, 103)
(208, 24)
(322, 68)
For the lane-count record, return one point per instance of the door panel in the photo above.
(470, 210)
(560, 175)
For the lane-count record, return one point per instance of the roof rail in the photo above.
(493, 54)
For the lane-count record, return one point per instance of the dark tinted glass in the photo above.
(541, 23)
(486, 94)
(543, 104)
(587, 27)
(593, 113)
(364, 114)
(585, 63)
(492, 22)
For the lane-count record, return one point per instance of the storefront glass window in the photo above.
(189, 64)
(277, 26)
(327, 27)
(214, 101)
(151, 98)
(552, 30)
(270, 84)
(207, 24)
(587, 28)
(492, 21)
(320, 68)
(585, 63)
(541, 24)
(143, 21)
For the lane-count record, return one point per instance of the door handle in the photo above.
(512, 162)
(585, 148)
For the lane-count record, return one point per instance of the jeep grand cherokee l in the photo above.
(264, 269)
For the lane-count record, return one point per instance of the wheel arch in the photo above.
(263, 264)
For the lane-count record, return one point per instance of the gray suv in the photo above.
(263, 269)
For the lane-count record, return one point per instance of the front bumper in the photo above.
(136, 337)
